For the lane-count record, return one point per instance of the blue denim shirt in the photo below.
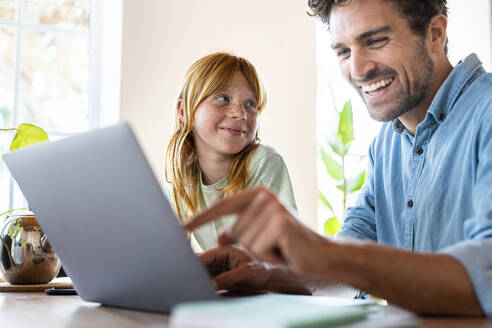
(432, 192)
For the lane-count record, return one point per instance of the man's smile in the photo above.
(375, 87)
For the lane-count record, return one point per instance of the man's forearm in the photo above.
(425, 283)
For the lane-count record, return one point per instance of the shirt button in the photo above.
(410, 203)
(441, 117)
(419, 150)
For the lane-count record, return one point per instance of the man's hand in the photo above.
(233, 269)
(425, 283)
(269, 231)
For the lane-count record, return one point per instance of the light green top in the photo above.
(267, 168)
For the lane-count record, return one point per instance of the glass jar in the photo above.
(26, 256)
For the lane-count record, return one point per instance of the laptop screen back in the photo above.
(103, 211)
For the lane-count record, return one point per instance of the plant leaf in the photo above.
(10, 232)
(332, 166)
(340, 186)
(12, 210)
(355, 183)
(346, 124)
(337, 145)
(332, 226)
(325, 202)
(28, 134)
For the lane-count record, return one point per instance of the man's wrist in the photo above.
(342, 258)
(283, 280)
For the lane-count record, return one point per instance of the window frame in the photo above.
(104, 38)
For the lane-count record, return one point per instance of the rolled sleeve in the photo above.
(475, 252)
(476, 258)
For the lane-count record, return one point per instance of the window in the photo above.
(51, 59)
(333, 92)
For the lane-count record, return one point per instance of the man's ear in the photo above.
(180, 109)
(437, 33)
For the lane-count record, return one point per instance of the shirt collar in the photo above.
(463, 73)
(398, 127)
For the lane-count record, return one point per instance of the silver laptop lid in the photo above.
(98, 201)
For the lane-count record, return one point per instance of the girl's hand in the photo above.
(235, 270)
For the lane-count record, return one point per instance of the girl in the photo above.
(215, 150)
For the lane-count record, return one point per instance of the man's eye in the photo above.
(342, 53)
(377, 42)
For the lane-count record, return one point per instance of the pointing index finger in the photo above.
(230, 205)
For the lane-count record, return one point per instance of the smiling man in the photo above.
(396, 69)
(420, 233)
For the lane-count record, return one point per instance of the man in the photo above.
(427, 200)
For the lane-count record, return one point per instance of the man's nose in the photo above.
(360, 65)
(237, 111)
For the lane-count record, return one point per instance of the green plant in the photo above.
(26, 134)
(335, 164)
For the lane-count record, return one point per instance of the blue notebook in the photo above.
(271, 310)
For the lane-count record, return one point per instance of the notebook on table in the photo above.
(272, 311)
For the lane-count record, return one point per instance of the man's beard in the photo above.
(413, 96)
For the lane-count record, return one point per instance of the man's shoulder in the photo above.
(485, 78)
(482, 84)
(478, 96)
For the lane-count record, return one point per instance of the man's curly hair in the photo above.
(418, 13)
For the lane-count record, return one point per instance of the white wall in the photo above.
(162, 38)
(470, 30)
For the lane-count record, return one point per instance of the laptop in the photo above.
(105, 214)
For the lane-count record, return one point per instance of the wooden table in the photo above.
(40, 310)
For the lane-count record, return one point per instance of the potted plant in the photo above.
(26, 257)
(335, 160)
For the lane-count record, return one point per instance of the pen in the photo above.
(60, 291)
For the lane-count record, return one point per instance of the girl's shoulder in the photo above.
(266, 160)
(269, 169)
(264, 153)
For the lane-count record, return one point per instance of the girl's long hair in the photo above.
(207, 76)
